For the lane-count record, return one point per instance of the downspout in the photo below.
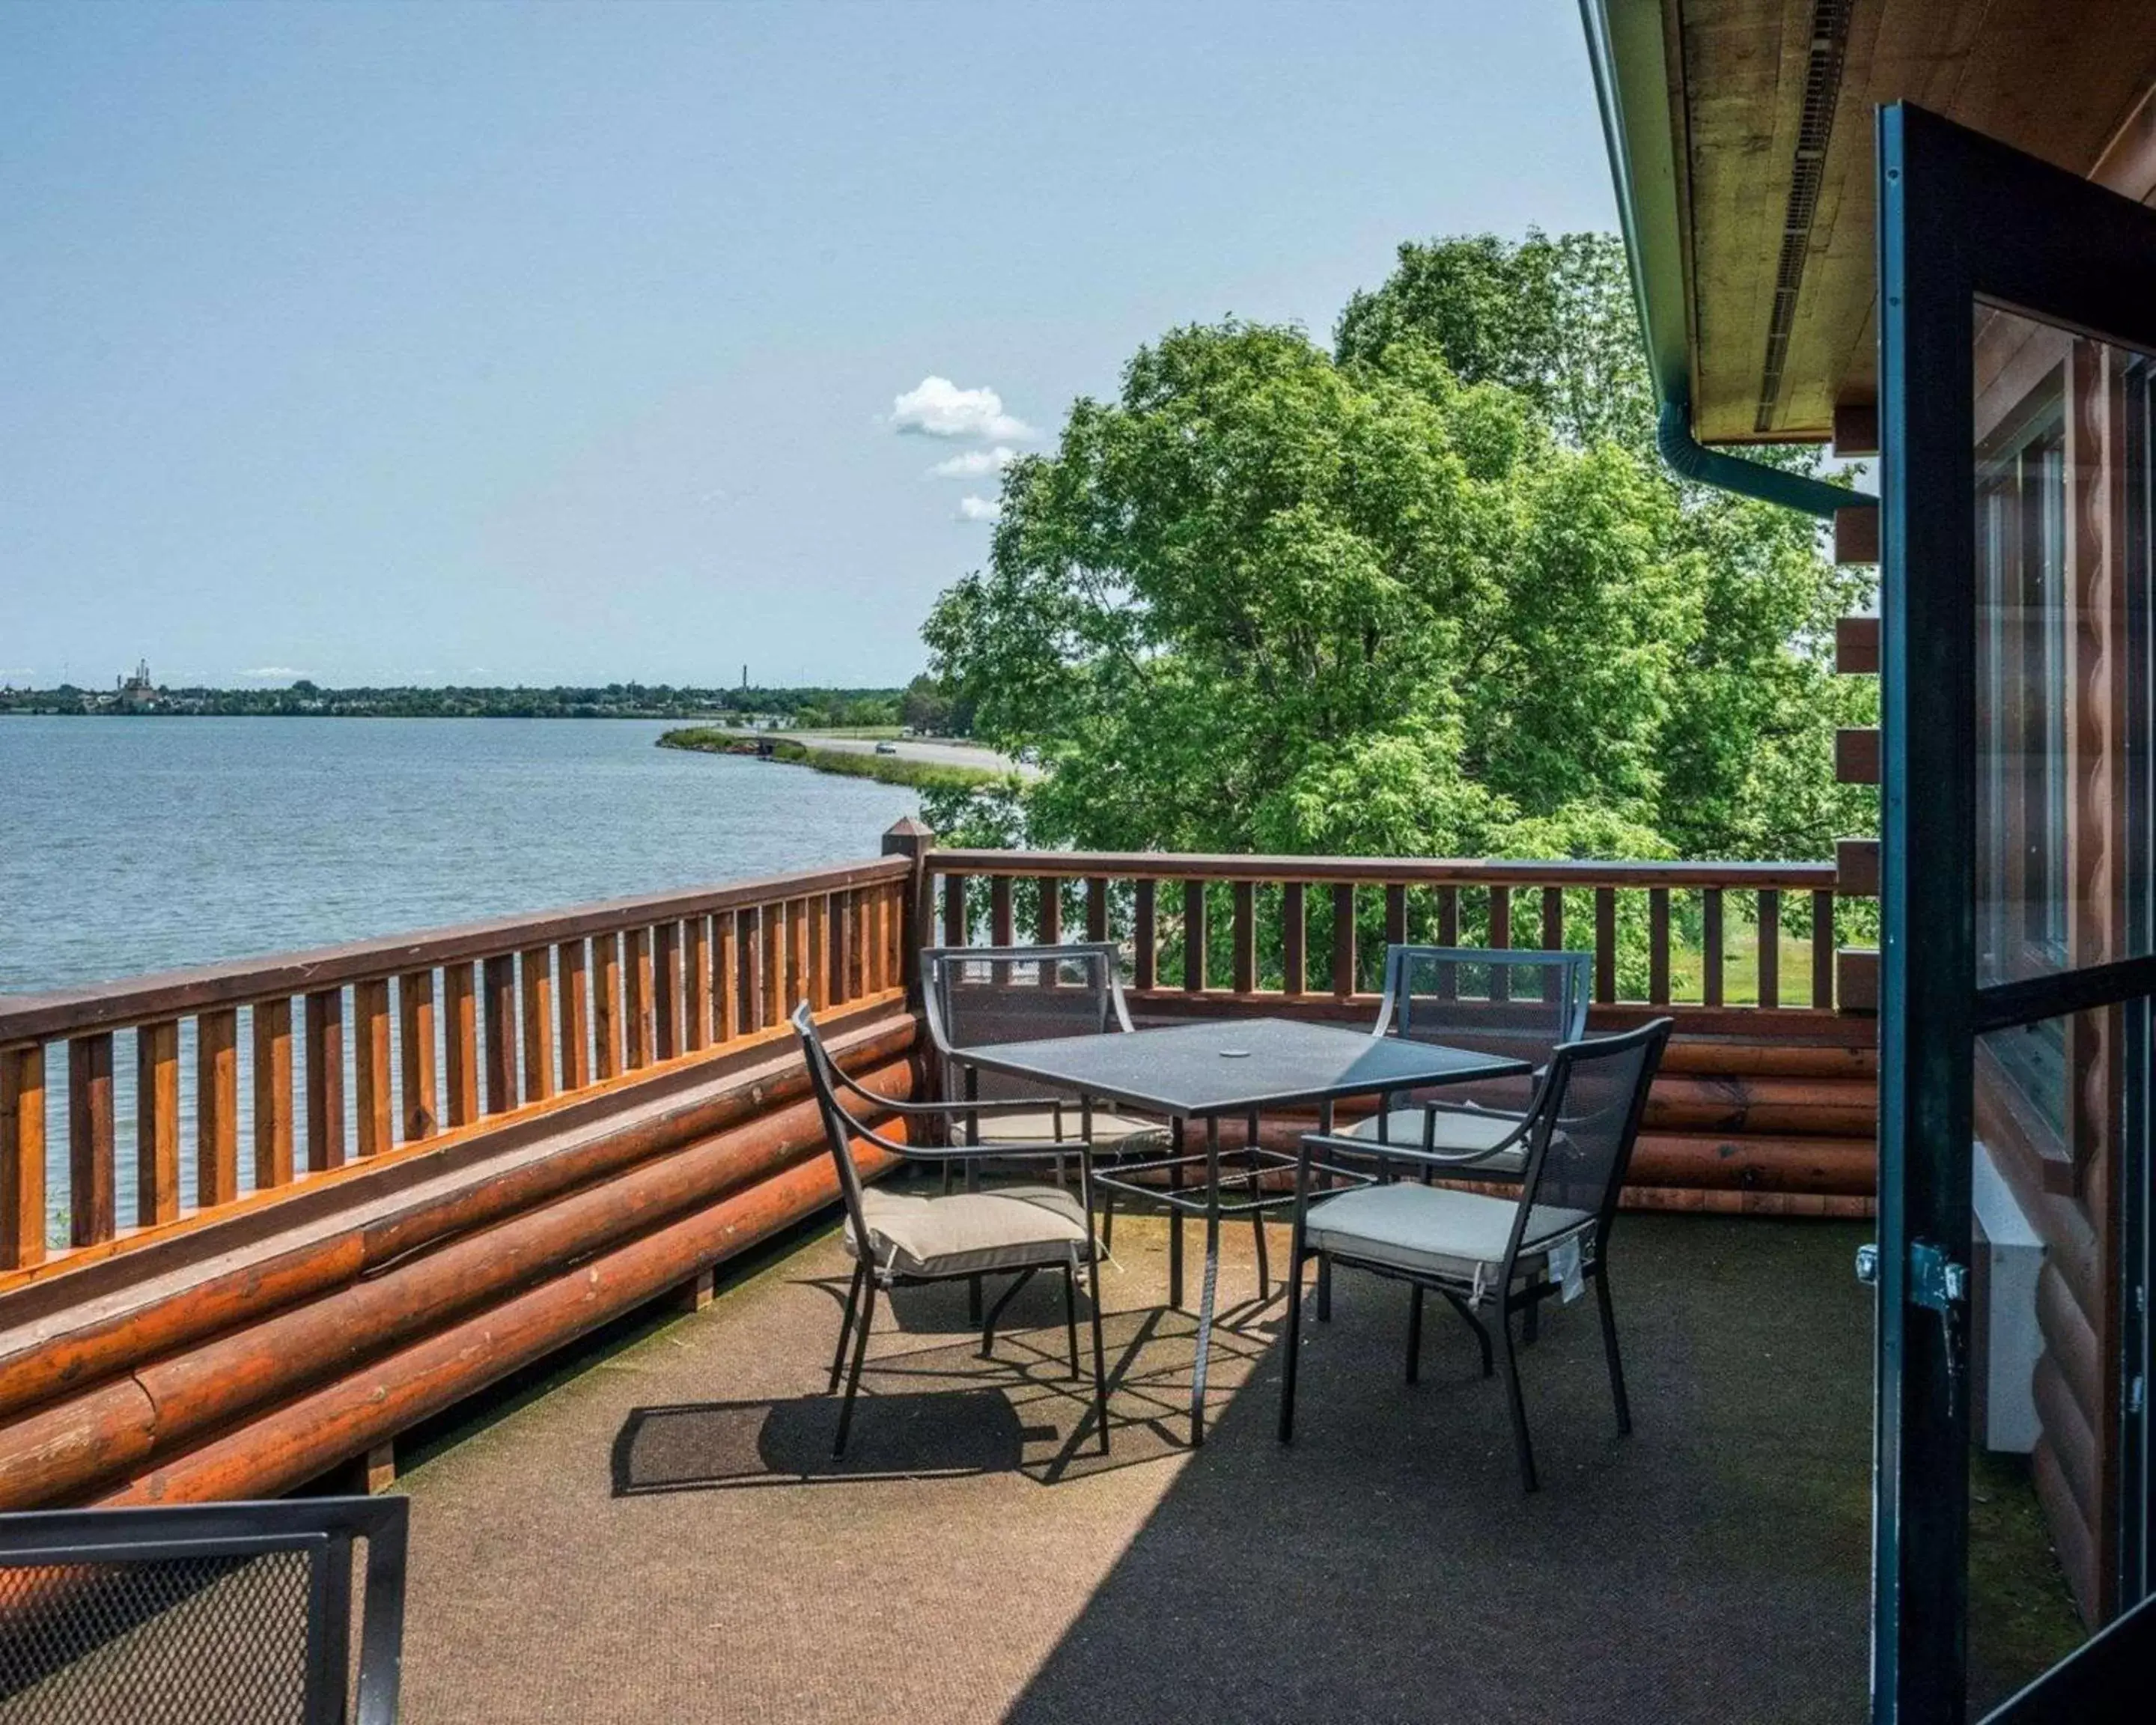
(1625, 49)
(1689, 459)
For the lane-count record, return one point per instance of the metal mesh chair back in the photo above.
(1520, 1003)
(980, 996)
(1587, 1121)
(225, 1612)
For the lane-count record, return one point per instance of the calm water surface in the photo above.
(140, 845)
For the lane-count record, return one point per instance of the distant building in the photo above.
(137, 693)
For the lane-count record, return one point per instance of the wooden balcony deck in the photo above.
(660, 1534)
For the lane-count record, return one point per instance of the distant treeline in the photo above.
(802, 706)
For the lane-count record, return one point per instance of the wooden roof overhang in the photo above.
(1740, 142)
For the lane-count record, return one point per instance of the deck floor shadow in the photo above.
(663, 1535)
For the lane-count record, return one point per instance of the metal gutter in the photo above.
(1628, 55)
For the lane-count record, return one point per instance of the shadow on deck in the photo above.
(662, 1535)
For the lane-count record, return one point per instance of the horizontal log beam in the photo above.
(1856, 755)
(1857, 867)
(1855, 430)
(71, 1333)
(1856, 533)
(305, 1438)
(1856, 646)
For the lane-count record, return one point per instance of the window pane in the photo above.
(2062, 681)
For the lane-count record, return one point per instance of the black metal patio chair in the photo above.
(1500, 1255)
(975, 997)
(197, 1613)
(897, 1238)
(1518, 1001)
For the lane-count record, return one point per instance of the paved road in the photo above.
(934, 750)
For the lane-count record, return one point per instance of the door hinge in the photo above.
(1936, 1281)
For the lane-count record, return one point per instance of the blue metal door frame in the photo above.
(1961, 216)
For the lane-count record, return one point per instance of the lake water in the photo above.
(139, 845)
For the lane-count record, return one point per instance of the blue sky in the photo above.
(433, 342)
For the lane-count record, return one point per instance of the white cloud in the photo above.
(977, 508)
(270, 670)
(974, 464)
(936, 407)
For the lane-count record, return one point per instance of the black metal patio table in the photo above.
(1209, 1068)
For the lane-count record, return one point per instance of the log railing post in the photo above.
(910, 839)
(1144, 934)
(217, 1108)
(157, 1124)
(91, 1211)
(1343, 940)
(573, 1012)
(376, 1110)
(1770, 948)
(273, 1092)
(415, 1047)
(22, 1157)
(636, 966)
(459, 1045)
(1710, 916)
(324, 1035)
(666, 989)
(498, 980)
(1195, 933)
(536, 968)
(1295, 930)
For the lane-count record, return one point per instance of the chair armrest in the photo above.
(1002, 1105)
(1391, 1151)
(1002, 1153)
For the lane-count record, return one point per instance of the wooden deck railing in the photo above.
(1259, 914)
(125, 1107)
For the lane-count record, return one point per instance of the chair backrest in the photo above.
(1474, 997)
(841, 1125)
(978, 996)
(202, 1611)
(1519, 1002)
(1587, 1121)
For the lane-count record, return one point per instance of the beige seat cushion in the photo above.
(1458, 1235)
(964, 1233)
(1111, 1131)
(1453, 1131)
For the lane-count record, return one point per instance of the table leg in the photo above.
(1175, 1214)
(972, 1175)
(1207, 1288)
(1325, 1184)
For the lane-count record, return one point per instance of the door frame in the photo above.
(1961, 216)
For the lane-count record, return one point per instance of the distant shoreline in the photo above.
(884, 769)
(808, 707)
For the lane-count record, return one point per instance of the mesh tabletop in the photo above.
(1227, 1066)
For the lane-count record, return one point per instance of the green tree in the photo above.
(1432, 593)
(1550, 318)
